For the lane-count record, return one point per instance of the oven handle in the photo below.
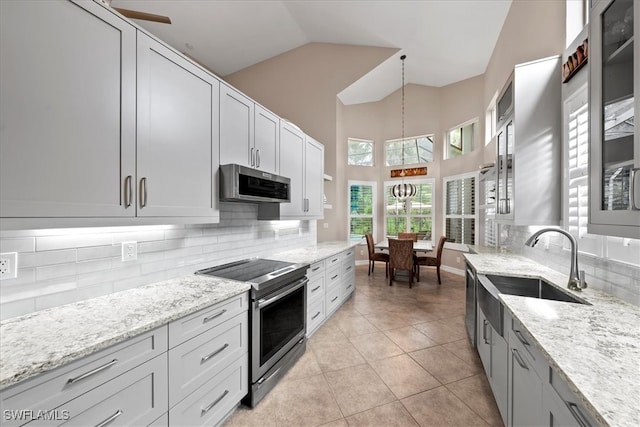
(297, 285)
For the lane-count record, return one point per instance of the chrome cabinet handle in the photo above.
(315, 289)
(253, 162)
(215, 353)
(128, 191)
(333, 300)
(214, 403)
(143, 192)
(315, 269)
(215, 316)
(349, 268)
(110, 419)
(257, 158)
(315, 315)
(632, 189)
(92, 372)
(334, 277)
(484, 331)
(577, 414)
(519, 359)
(521, 337)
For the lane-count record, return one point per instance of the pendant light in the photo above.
(403, 191)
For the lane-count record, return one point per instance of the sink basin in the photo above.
(528, 287)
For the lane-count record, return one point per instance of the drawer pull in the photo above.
(349, 268)
(215, 353)
(315, 316)
(215, 402)
(334, 300)
(92, 372)
(316, 288)
(215, 316)
(521, 337)
(350, 286)
(334, 277)
(334, 260)
(577, 414)
(519, 359)
(110, 419)
(313, 270)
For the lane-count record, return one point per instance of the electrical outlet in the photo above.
(458, 259)
(129, 251)
(361, 251)
(8, 265)
(325, 225)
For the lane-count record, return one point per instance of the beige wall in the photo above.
(302, 85)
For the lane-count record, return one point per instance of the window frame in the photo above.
(387, 184)
(474, 137)
(460, 246)
(374, 193)
(405, 141)
(362, 140)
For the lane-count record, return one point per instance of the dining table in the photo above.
(418, 245)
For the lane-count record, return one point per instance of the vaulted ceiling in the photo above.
(445, 40)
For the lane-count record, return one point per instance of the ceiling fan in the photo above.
(134, 14)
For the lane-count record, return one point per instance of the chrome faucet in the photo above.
(576, 280)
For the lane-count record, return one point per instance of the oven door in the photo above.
(278, 323)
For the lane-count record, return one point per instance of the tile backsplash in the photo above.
(60, 266)
(619, 279)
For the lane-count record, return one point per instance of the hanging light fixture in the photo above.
(403, 191)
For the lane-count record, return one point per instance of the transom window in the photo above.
(460, 140)
(360, 152)
(415, 215)
(417, 150)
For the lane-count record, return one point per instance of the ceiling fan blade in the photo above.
(134, 14)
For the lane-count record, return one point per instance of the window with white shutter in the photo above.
(460, 208)
(414, 215)
(362, 202)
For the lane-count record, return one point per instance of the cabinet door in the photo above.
(267, 140)
(177, 134)
(292, 142)
(314, 177)
(614, 103)
(556, 412)
(67, 110)
(236, 128)
(525, 391)
(484, 342)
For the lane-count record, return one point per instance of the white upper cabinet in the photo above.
(301, 160)
(528, 145)
(236, 127)
(249, 134)
(67, 110)
(266, 148)
(614, 157)
(177, 155)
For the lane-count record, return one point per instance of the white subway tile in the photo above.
(25, 276)
(99, 252)
(17, 308)
(25, 244)
(160, 245)
(139, 236)
(54, 271)
(56, 299)
(50, 243)
(94, 266)
(38, 259)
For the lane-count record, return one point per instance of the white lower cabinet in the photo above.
(525, 388)
(492, 348)
(193, 371)
(331, 283)
(561, 407)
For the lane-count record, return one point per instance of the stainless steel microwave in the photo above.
(242, 184)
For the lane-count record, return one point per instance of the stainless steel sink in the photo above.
(528, 287)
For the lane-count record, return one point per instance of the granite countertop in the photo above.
(594, 348)
(44, 340)
(315, 253)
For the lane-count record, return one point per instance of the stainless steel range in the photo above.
(277, 316)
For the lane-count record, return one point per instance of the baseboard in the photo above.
(452, 270)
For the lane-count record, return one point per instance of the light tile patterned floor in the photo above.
(390, 356)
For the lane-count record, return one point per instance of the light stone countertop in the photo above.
(47, 339)
(594, 348)
(315, 253)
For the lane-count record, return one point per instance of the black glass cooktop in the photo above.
(247, 270)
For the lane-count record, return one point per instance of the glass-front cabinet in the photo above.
(615, 101)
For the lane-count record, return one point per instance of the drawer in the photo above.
(348, 255)
(52, 389)
(163, 421)
(333, 277)
(136, 398)
(315, 289)
(570, 400)
(348, 268)
(332, 300)
(315, 315)
(316, 269)
(194, 362)
(188, 327)
(348, 286)
(518, 336)
(210, 404)
(332, 261)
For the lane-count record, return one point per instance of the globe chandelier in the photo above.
(403, 191)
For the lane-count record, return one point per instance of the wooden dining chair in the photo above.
(410, 236)
(431, 261)
(376, 256)
(401, 258)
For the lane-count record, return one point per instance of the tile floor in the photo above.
(390, 356)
